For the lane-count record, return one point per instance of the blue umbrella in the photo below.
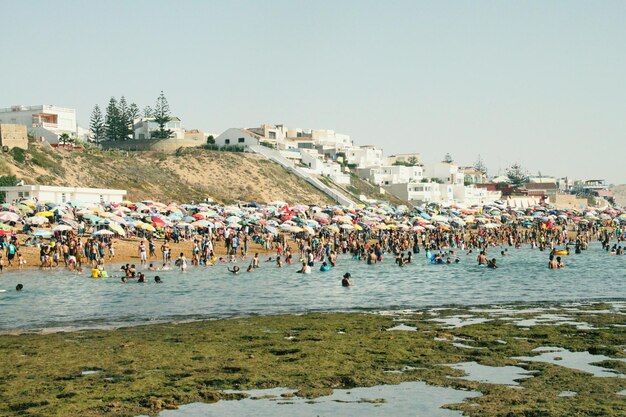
(42, 233)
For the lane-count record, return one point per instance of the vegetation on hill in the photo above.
(190, 174)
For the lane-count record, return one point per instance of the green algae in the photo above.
(145, 369)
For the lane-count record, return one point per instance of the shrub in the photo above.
(18, 154)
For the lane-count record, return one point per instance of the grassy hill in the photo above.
(191, 174)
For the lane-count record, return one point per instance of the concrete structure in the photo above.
(42, 121)
(364, 156)
(63, 194)
(404, 158)
(472, 176)
(163, 145)
(145, 127)
(445, 172)
(237, 136)
(317, 165)
(391, 174)
(13, 136)
(433, 192)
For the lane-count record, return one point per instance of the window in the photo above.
(241, 140)
(227, 141)
(272, 135)
(101, 198)
(63, 198)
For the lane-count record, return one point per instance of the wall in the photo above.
(568, 201)
(13, 136)
(164, 145)
(64, 194)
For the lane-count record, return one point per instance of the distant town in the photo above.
(328, 160)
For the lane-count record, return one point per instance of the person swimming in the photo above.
(142, 277)
(306, 269)
(324, 267)
(250, 268)
(345, 282)
(157, 279)
(492, 264)
(19, 287)
(235, 269)
(124, 279)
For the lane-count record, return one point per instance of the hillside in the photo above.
(192, 174)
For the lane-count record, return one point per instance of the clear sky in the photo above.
(542, 83)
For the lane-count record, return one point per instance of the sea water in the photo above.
(60, 299)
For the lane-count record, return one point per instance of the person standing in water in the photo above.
(345, 282)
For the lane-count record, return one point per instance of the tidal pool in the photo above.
(581, 361)
(406, 399)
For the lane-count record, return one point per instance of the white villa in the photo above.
(42, 121)
(59, 195)
(145, 127)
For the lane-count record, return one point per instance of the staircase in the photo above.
(276, 157)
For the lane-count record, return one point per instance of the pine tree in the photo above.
(96, 125)
(480, 166)
(147, 111)
(161, 117)
(112, 121)
(133, 113)
(517, 175)
(125, 129)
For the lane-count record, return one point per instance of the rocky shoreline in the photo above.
(145, 369)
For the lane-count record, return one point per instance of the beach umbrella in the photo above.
(271, 230)
(37, 220)
(333, 228)
(347, 227)
(103, 232)
(9, 216)
(117, 229)
(45, 214)
(61, 228)
(202, 223)
(42, 233)
(5, 227)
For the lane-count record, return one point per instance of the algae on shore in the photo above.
(144, 369)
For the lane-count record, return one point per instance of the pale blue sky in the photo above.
(539, 82)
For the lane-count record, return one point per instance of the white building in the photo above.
(404, 158)
(364, 156)
(145, 127)
(392, 174)
(319, 166)
(433, 192)
(237, 136)
(46, 193)
(445, 172)
(42, 121)
(470, 195)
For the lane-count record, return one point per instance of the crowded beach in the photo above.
(94, 239)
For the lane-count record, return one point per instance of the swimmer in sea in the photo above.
(250, 268)
(19, 287)
(124, 279)
(559, 262)
(553, 264)
(492, 264)
(324, 267)
(345, 282)
(235, 269)
(157, 279)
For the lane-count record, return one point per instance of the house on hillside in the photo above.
(145, 127)
(44, 122)
(238, 136)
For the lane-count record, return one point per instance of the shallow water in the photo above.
(63, 300)
(504, 375)
(406, 399)
(581, 361)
